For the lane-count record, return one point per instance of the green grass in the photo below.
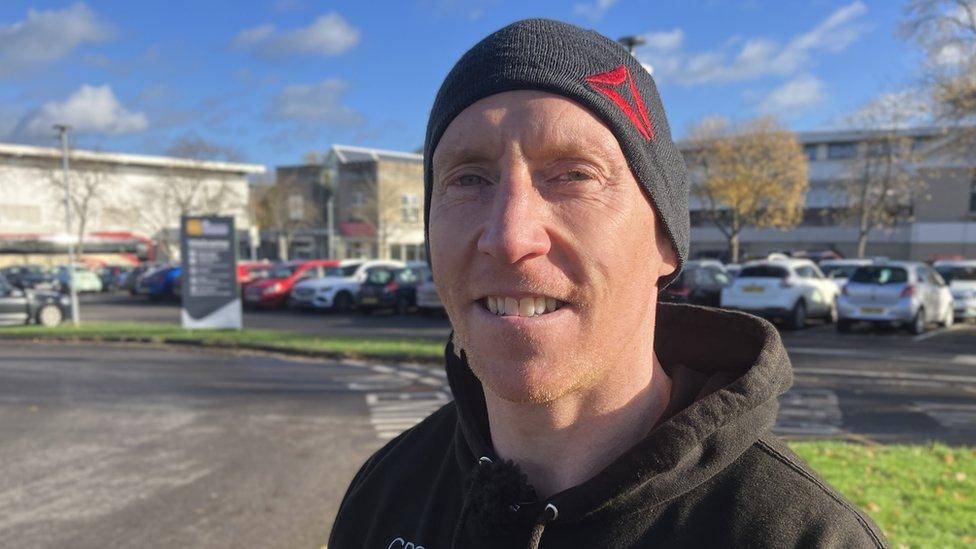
(409, 349)
(920, 496)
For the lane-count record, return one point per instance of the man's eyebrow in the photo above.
(454, 156)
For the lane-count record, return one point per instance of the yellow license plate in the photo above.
(753, 289)
(872, 310)
(369, 301)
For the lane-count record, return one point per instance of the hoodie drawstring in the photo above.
(548, 515)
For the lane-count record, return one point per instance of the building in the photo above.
(942, 219)
(112, 194)
(376, 197)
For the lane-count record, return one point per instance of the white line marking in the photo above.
(928, 335)
(907, 376)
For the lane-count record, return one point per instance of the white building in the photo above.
(112, 194)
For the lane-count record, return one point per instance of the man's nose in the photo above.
(516, 226)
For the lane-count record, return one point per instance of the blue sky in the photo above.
(274, 80)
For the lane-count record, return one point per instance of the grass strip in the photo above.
(920, 496)
(265, 340)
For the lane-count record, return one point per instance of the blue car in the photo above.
(160, 284)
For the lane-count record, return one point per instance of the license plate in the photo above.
(370, 301)
(753, 289)
(872, 310)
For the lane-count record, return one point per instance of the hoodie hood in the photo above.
(741, 368)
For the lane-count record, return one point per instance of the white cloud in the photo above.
(328, 35)
(891, 110)
(46, 36)
(755, 57)
(593, 10)
(312, 104)
(90, 109)
(794, 96)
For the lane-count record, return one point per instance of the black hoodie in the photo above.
(709, 475)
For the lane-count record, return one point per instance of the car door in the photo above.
(938, 294)
(812, 294)
(13, 304)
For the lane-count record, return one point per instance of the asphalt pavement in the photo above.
(120, 446)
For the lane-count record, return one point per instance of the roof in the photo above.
(357, 229)
(347, 154)
(30, 151)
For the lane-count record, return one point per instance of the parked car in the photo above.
(905, 293)
(792, 290)
(19, 306)
(132, 279)
(112, 277)
(733, 269)
(251, 271)
(700, 283)
(83, 278)
(839, 270)
(338, 289)
(160, 284)
(389, 288)
(961, 277)
(273, 291)
(428, 300)
(28, 277)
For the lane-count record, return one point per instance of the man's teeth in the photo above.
(526, 306)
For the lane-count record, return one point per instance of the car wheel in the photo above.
(798, 316)
(918, 323)
(843, 326)
(402, 306)
(342, 302)
(50, 316)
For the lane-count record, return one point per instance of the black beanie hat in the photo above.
(591, 69)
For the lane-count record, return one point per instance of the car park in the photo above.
(83, 278)
(902, 293)
(389, 288)
(28, 277)
(428, 300)
(787, 289)
(19, 306)
(961, 277)
(273, 291)
(337, 290)
(700, 283)
(160, 284)
(839, 270)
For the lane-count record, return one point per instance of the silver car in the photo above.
(904, 293)
(961, 276)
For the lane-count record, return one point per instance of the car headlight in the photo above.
(65, 300)
(273, 289)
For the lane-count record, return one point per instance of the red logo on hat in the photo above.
(608, 83)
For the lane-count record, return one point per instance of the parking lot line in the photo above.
(901, 376)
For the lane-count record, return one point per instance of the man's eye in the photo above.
(574, 175)
(469, 180)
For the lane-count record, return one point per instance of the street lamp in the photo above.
(631, 42)
(63, 133)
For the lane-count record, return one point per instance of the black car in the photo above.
(389, 288)
(19, 306)
(26, 277)
(700, 283)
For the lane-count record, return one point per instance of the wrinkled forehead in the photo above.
(540, 124)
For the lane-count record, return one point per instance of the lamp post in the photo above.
(63, 134)
(631, 42)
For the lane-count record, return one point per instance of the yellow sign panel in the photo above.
(194, 227)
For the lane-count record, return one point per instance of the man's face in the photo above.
(536, 213)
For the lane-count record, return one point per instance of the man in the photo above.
(585, 415)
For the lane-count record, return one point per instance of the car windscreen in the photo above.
(763, 271)
(960, 273)
(379, 276)
(838, 271)
(880, 275)
(283, 272)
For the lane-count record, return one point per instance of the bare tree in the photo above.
(88, 184)
(751, 175)
(286, 208)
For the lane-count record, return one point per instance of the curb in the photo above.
(290, 351)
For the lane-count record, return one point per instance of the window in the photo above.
(840, 151)
(805, 272)
(358, 199)
(880, 275)
(880, 148)
(396, 252)
(810, 151)
(296, 207)
(410, 208)
(763, 271)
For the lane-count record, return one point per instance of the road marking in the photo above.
(850, 353)
(393, 413)
(950, 415)
(809, 412)
(900, 376)
(929, 335)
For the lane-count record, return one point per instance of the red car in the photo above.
(272, 292)
(252, 271)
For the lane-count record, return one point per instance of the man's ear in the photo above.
(667, 253)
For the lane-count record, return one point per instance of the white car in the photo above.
(961, 277)
(428, 300)
(839, 270)
(338, 289)
(788, 289)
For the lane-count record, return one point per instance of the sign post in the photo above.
(210, 295)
